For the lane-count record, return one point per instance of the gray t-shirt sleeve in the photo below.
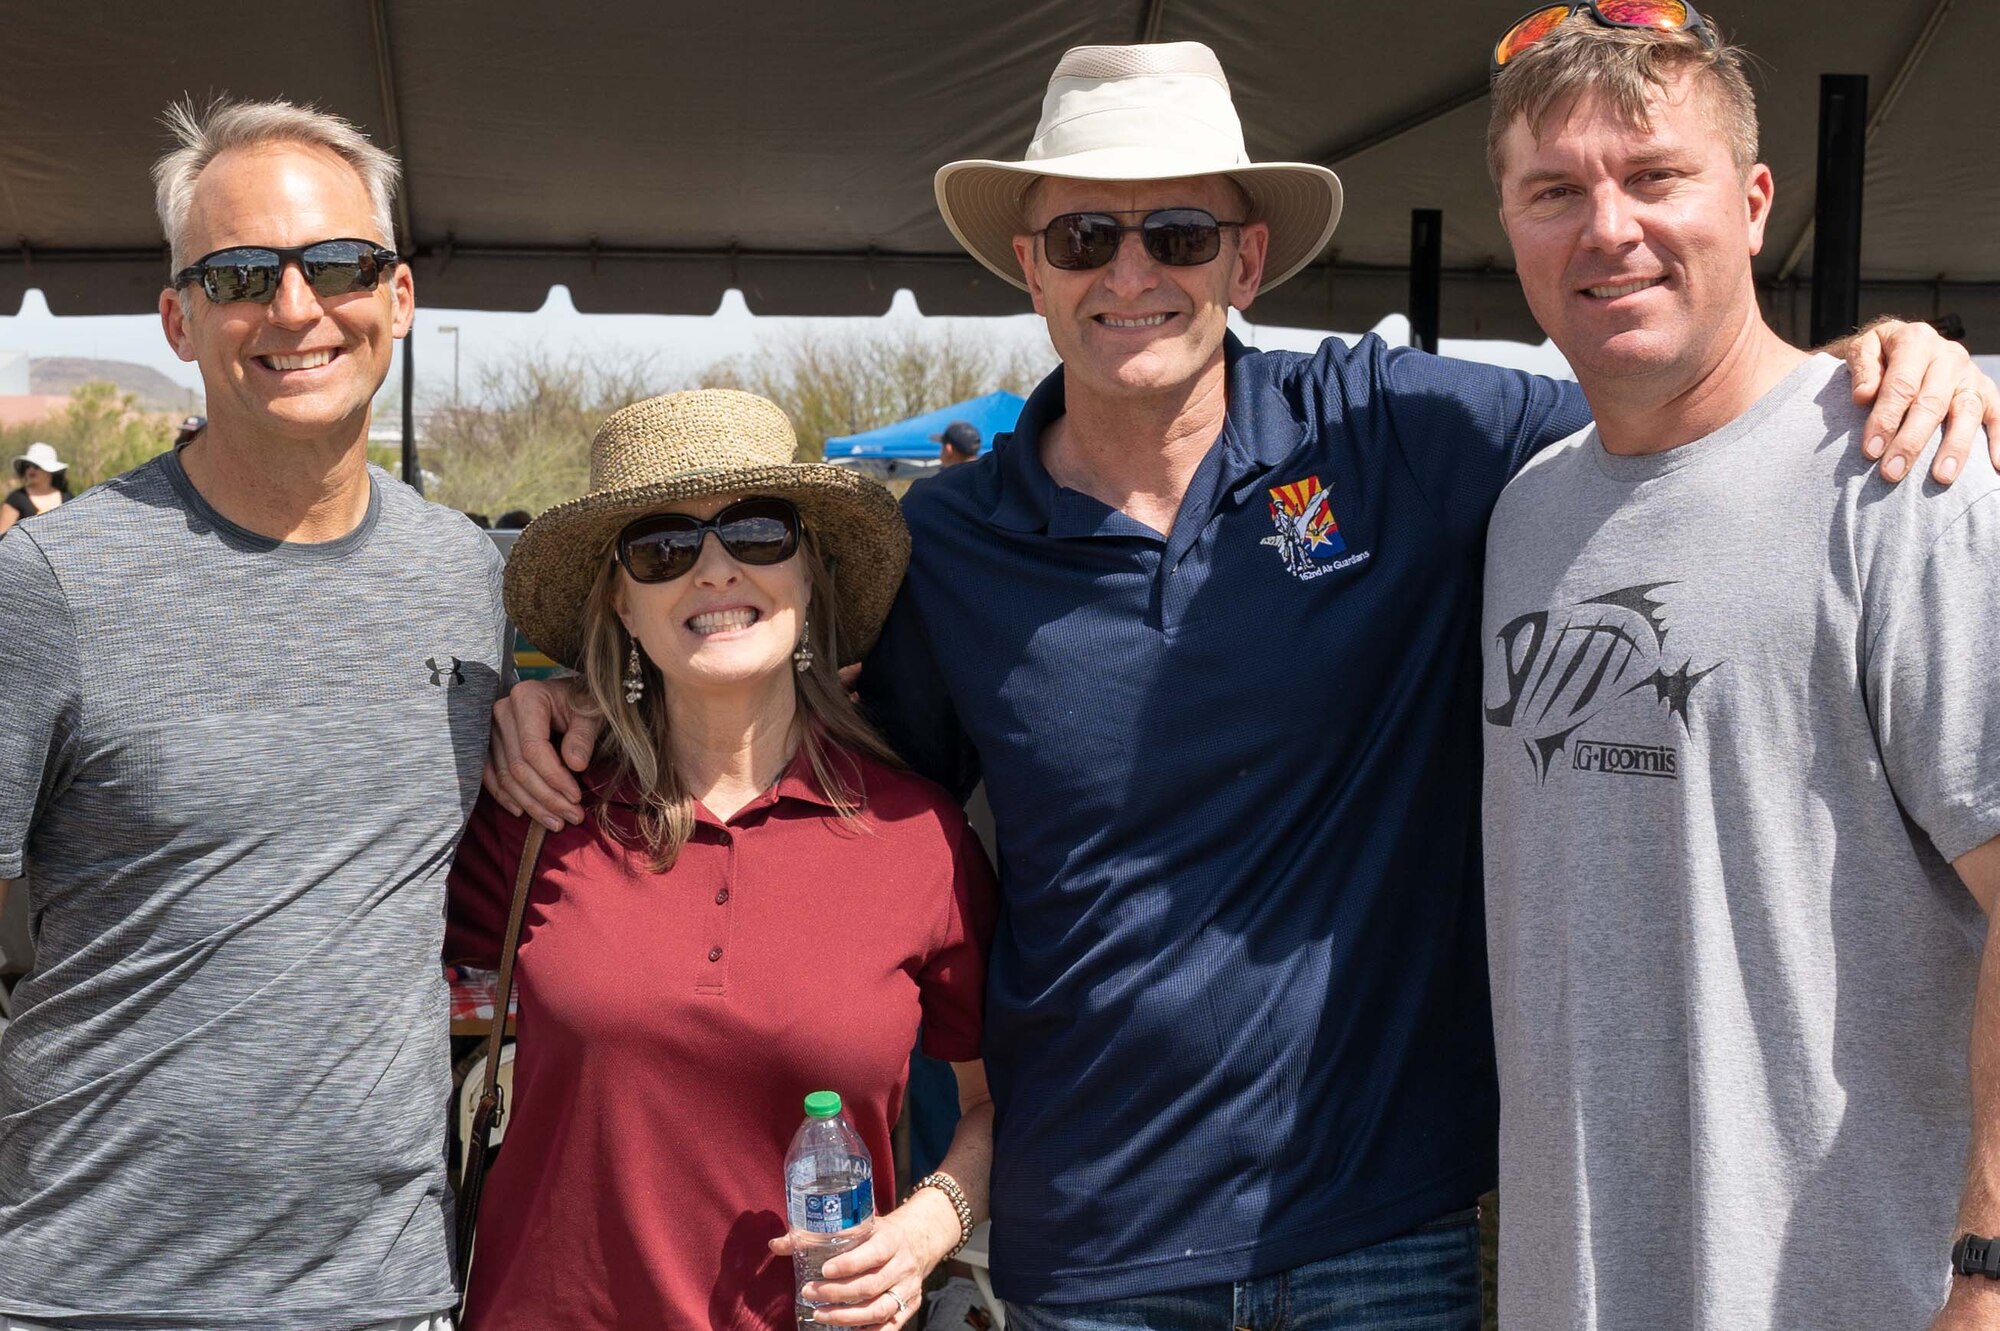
(1936, 605)
(40, 693)
(496, 570)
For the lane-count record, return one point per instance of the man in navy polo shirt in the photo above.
(1206, 625)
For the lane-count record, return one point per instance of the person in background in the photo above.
(248, 685)
(514, 519)
(191, 428)
(958, 444)
(44, 485)
(762, 904)
(1742, 760)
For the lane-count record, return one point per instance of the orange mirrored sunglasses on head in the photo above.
(1665, 15)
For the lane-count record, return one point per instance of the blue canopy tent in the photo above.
(910, 440)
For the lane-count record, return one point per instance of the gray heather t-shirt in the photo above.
(1739, 717)
(239, 768)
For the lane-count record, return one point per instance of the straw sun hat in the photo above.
(697, 445)
(1154, 112)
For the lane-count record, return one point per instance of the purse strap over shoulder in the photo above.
(491, 1110)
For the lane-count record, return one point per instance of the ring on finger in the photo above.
(902, 1308)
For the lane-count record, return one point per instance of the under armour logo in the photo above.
(445, 676)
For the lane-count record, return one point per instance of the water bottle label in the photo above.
(831, 1212)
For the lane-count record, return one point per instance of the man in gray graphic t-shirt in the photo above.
(1742, 766)
(248, 688)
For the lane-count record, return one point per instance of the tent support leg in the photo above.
(1843, 147)
(1426, 276)
(413, 476)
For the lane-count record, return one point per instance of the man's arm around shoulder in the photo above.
(905, 693)
(1465, 428)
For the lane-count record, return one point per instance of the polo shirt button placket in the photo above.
(715, 975)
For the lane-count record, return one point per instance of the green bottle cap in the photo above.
(823, 1104)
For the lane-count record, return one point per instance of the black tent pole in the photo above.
(1843, 146)
(1426, 275)
(412, 477)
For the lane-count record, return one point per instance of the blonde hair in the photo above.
(1622, 65)
(638, 738)
(228, 122)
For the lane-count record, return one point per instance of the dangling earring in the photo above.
(802, 655)
(635, 683)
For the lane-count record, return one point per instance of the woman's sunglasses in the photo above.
(1664, 15)
(664, 546)
(254, 272)
(1176, 237)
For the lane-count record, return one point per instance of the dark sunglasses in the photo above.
(664, 546)
(1664, 15)
(1176, 237)
(253, 272)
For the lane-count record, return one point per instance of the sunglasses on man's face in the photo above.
(1176, 237)
(1536, 24)
(665, 546)
(254, 272)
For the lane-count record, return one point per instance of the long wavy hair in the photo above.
(639, 738)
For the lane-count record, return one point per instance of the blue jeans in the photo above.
(1426, 1280)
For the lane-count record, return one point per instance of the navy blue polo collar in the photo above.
(1258, 432)
(1026, 490)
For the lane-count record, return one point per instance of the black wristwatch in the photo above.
(1974, 1256)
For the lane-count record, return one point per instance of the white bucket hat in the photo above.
(43, 456)
(1155, 112)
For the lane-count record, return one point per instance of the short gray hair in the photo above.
(229, 122)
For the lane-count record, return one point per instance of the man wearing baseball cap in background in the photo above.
(1206, 624)
(958, 444)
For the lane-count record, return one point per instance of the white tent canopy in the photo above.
(651, 156)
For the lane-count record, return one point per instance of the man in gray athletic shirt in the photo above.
(1742, 764)
(248, 692)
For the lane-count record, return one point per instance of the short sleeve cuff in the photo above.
(1965, 827)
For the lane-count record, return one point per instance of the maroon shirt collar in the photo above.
(796, 782)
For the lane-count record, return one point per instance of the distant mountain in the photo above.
(156, 392)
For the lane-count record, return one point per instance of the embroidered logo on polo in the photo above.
(1602, 649)
(1308, 539)
(449, 676)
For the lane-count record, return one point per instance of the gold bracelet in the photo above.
(948, 1185)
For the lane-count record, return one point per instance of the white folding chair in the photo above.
(468, 1099)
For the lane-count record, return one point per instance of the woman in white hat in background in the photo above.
(44, 485)
(763, 905)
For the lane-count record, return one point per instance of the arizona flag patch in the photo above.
(1303, 507)
(1308, 534)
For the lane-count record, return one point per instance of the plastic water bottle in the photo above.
(829, 1191)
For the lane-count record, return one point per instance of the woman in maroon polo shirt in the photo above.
(763, 903)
